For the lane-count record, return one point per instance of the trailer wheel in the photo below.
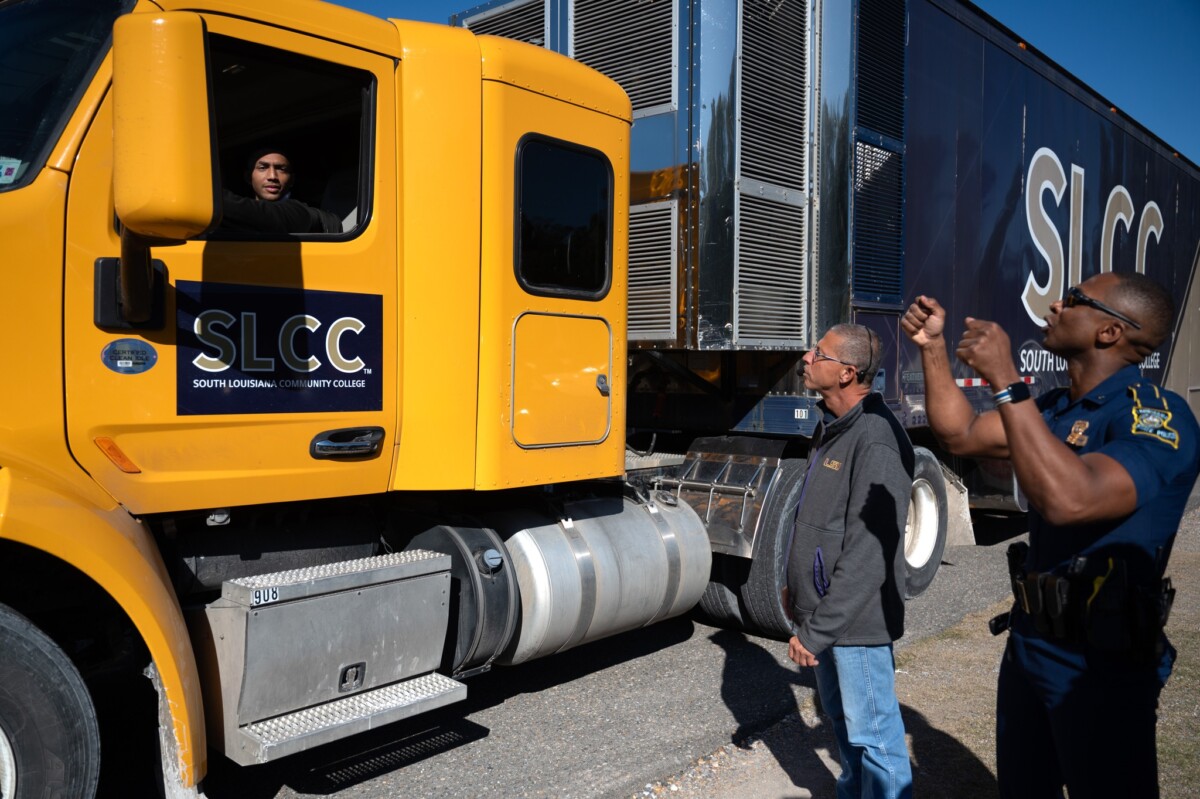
(763, 592)
(49, 739)
(925, 531)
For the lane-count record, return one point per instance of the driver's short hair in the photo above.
(861, 347)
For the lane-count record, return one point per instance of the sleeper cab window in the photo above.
(564, 210)
(294, 142)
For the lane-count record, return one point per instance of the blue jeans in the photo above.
(858, 692)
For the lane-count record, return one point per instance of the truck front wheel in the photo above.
(49, 739)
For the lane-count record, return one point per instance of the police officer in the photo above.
(1107, 465)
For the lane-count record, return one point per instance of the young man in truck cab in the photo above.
(271, 176)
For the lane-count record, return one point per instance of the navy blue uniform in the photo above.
(1067, 712)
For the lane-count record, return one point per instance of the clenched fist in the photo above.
(924, 321)
(985, 347)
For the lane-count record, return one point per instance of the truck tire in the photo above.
(49, 739)
(720, 604)
(925, 531)
(763, 591)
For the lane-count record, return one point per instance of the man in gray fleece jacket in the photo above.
(845, 572)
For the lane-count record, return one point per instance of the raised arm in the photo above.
(959, 429)
(1064, 487)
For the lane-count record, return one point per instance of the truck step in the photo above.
(346, 575)
(269, 740)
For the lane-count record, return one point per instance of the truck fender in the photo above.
(118, 553)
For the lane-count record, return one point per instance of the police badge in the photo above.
(1076, 437)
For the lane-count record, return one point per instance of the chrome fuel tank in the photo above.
(606, 565)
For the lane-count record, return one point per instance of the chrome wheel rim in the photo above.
(8, 767)
(920, 531)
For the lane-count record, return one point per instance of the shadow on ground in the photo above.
(996, 528)
(944, 767)
(754, 680)
(341, 765)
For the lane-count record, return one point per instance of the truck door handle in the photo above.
(347, 443)
(602, 385)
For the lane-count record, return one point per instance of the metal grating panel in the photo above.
(523, 20)
(771, 273)
(296, 732)
(331, 570)
(774, 102)
(653, 271)
(878, 224)
(330, 577)
(631, 42)
(880, 73)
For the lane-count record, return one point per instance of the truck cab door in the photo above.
(271, 374)
(553, 285)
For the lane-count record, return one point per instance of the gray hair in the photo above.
(861, 347)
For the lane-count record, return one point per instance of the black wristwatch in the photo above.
(1014, 392)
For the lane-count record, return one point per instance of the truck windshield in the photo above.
(48, 51)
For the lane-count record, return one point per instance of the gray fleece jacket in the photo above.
(846, 572)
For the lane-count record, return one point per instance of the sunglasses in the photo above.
(1076, 297)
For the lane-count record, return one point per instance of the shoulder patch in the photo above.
(1153, 420)
(1156, 423)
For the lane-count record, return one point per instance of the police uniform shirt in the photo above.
(1153, 434)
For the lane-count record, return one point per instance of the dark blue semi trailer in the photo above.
(799, 164)
(1021, 181)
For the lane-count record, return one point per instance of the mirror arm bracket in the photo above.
(136, 279)
(130, 291)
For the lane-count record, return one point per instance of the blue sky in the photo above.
(1144, 57)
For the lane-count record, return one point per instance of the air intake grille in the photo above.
(769, 307)
(653, 271)
(773, 97)
(878, 224)
(632, 42)
(881, 37)
(523, 20)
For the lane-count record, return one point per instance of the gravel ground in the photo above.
(946, 684)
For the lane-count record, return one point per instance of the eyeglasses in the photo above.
(820, 356)
(1076, 297)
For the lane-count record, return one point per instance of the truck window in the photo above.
(305, 121)
(564, 219)
(48, 52)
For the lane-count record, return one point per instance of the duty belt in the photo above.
(1089, 605)
(1047, 599)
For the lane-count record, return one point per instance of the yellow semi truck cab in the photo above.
(306, 460)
